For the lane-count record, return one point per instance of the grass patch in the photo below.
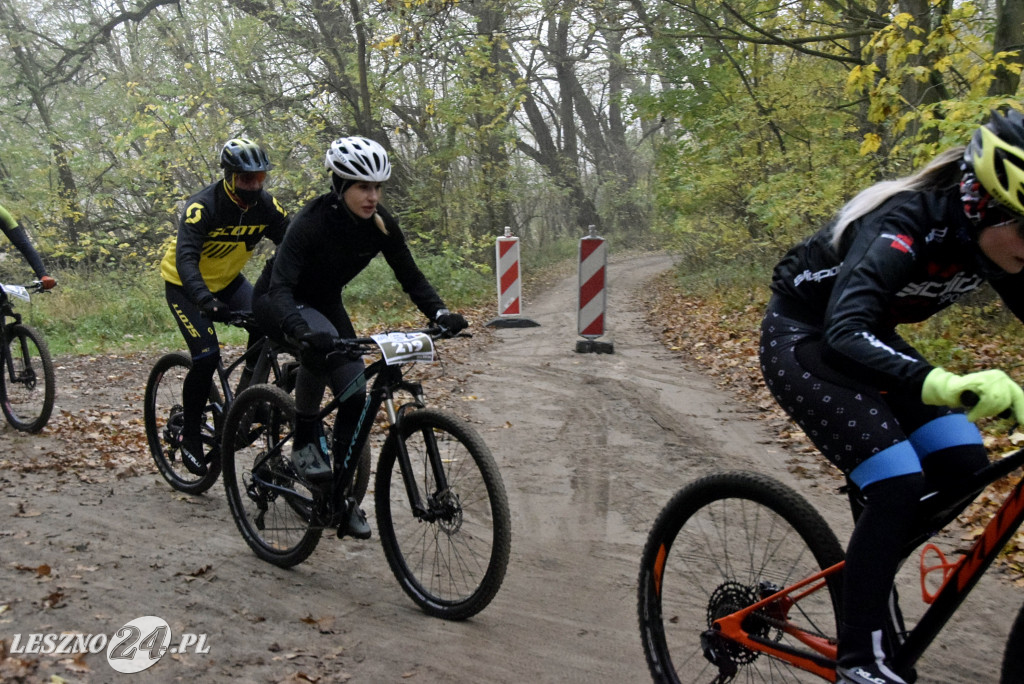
(92, 311)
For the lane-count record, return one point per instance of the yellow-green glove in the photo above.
(995, 389)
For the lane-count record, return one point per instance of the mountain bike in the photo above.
(27, 380)
(441, 509)
(740, 580)
(163, 410)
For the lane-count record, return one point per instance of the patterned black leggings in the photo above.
(849, 421)
(890, 445)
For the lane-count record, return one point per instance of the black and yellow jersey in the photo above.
(216, 238)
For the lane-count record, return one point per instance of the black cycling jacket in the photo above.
(325, 248)
(901, 263)
(216, 238)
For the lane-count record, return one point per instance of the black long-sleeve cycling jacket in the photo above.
(326, 247)
(911, 257)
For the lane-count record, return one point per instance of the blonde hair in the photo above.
(937, 173)
(380, 223)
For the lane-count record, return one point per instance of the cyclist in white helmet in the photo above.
(329, 242)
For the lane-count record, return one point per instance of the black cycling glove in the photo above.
(216, 310)
(452, 322)
(314, 340)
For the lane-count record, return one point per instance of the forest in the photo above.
(723, 129)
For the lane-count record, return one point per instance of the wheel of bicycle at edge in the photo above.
(27, 396)
(711, 551)
(453, 562)
(163, 418)
(273, 510)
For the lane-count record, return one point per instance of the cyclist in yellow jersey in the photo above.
(217, 233)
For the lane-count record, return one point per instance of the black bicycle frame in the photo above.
(265, 352)
(387, 380)
(969, 569)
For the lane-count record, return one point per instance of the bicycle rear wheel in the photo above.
(451, 560)
(27, 383)
(271, 505)
(720, 544)
(163, 418)
(361, 479)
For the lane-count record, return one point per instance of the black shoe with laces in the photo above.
(192, 456)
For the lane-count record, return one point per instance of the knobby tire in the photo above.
(1013, 656)
(163, 419)
(27, 399)
(707, 555)
(270, 503)
(452, 565)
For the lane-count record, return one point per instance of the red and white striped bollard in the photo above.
(590, 316)
(506, 259)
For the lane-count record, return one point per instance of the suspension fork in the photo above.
(219, 400)
(396, 417)
(25, 374)
(5, 341)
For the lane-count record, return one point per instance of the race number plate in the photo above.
(399, 347)
(18, 291)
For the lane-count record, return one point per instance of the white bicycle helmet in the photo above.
(358, 159)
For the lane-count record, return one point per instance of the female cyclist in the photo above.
(898, 252)
(329, 242)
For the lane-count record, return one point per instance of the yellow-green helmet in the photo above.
(996, 152)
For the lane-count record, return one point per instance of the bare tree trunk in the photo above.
(1009, 37)
(32, 79)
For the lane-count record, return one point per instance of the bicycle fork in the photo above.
(25, 375)
(431, 510)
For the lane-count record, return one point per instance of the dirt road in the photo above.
(590, 447)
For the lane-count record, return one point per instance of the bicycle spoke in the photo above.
(273, 508)
(722, 544)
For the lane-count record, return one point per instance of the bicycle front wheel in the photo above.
(163, 418)
(723, 543)
(27, 383)
(272, 507)
(450, 557)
